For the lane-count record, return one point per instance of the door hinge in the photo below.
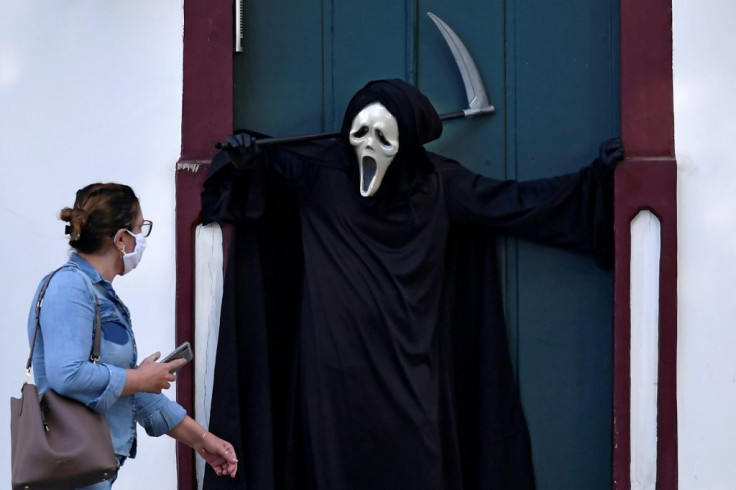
(239, 25)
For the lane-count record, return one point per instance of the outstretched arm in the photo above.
(573, 211)
(234, 187)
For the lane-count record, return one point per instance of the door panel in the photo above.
(551, 70)
(565, 103)
(278, 76)
(358, 54)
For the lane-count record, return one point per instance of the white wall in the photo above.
(89, 91)
(705, 140)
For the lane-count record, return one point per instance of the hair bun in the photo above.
(76, 219)
(65, 215)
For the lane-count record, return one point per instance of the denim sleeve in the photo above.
(157, 414)
(67, 324)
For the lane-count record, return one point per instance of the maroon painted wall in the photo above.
(206, 116)
(646, 180)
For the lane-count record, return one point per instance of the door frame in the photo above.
(646, 180)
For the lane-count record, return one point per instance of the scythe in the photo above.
(475, 92)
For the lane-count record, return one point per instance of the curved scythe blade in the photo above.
(474, 88)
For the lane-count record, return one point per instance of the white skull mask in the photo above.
(375, 136)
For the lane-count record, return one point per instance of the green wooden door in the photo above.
(551, 70)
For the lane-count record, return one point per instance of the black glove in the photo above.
(242, 150)
(611, 152)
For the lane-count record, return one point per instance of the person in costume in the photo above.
(350, 354)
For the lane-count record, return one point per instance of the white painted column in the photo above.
(208, 284)
(645, 259)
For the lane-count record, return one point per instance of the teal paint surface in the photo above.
(551, 71)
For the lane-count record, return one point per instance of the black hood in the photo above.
(418, 124)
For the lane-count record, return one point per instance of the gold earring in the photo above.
(122, 252)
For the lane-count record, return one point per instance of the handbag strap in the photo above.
(95, 354)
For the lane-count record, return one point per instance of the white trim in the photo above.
(645, 258)
(208, 267)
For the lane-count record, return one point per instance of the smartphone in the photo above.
(183, 351)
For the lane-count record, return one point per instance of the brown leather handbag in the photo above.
(57, 442)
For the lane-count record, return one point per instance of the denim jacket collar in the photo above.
(86, 267)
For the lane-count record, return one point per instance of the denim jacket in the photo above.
(63, 347)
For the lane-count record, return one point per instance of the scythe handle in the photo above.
(321, 136)
(452, 115)
(478, 103)
(295, 139)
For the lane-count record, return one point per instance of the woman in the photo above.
(108, 236)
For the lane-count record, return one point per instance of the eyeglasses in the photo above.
(146, 227)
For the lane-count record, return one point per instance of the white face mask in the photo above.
(375, 136)
(132, 259)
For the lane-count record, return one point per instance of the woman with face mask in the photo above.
(108, 237)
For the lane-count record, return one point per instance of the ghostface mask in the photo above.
(375, 136)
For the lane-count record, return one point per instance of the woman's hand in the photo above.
(151, 376)
(218, 453)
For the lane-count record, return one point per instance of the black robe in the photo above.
(362, 342)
